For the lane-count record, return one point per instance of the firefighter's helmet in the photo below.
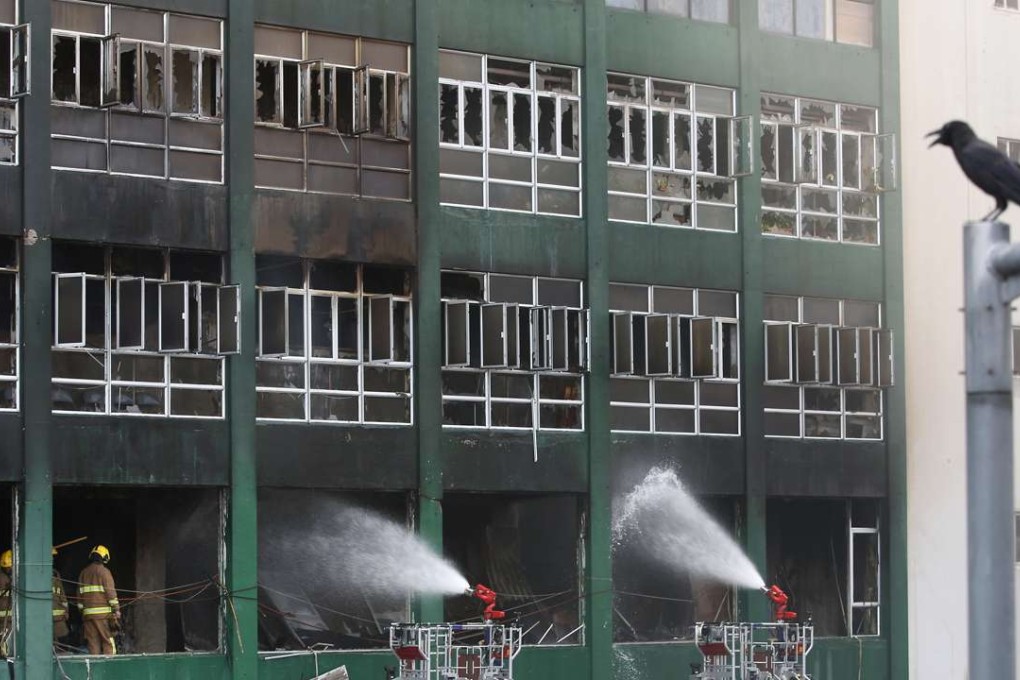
(102, 552)
(6, 559)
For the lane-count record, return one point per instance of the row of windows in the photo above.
(845, 21)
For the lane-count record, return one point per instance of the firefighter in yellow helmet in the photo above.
(60, 628)
(97, 600)
(6, 603)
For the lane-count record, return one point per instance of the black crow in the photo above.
(986, 166)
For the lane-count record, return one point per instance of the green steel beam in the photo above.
(894, 579)
(34, 567)
(428, 343)
(242, 528)
(753, 605)
(599, 581)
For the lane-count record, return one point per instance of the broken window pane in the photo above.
(570, 129)
(312, 109)
(729, 350)
(377, 103)
(110, 78)
(547, 125)
(617, 147)
(637, 138)
(449, 114)
(129, 95)
(152, 79)
(19, 80)
(267, 75)
(706, 145)
(522, 122)
(211, 106)
(499, 136)
(65, 64)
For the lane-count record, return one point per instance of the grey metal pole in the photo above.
(989, 454)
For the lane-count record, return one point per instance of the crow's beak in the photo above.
(938, 137)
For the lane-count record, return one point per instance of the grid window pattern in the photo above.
(675, 360)
(845, 21)
(332, 114)
(141, 332)
(823, 169)
(509, 134)
(14, 64)
(1010, 147)
(674, 150)
(515, 349)
(9, 320)
(334, 342)
(137, 92)
(825, 364)
(864, 569)
(703, 10)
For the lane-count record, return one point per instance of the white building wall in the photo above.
(959, 59)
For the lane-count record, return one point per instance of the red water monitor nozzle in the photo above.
(781, 600)
(488, 596)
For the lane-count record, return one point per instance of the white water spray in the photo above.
(372, 555)
(663, 519)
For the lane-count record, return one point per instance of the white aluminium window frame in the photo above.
(11, 381)
(853, 603)
(511, 93)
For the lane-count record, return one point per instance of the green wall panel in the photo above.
(674, 257)
(154, 667)
(383, 19)
(820, 69)
(512, 243)
(670, 47)
(811, 268)
(544, 31)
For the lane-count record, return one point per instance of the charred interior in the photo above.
(165, 547)
(526, 549)
(308, 592)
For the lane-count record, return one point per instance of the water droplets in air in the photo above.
(662, 519)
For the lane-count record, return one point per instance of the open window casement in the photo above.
(514, 353)
(865, 356)
(741, 146)
(703, 348)
(203, 321)
(456, 342)
(878, 163)
(681, 350)
(779, 352)
(398, 106)
(130, 333)
(807, 142)
(362, 122)
(728, 349)
(623, 343)
(541, 338)
(884, 371)
(20, 83)
(273, 322)
(658, 345)
(806, 350)
(9, 307)
(577, 340)
(211, 90)
(109, 86)
(380, 328)
(311, 93)
(69, 310)
(825, 344)
(559, 339)
(494, 345)
(847, 357)
(778, 149)
(228, 320)
(173, 316)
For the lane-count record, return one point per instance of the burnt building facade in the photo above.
(476, 267)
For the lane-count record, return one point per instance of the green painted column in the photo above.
(428, 314)
(895, 620)
(598, 583)
(242, 528)
(753, 606)
(35, 531)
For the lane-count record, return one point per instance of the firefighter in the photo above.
(6, 603)
(60, 628)
(97, 600)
